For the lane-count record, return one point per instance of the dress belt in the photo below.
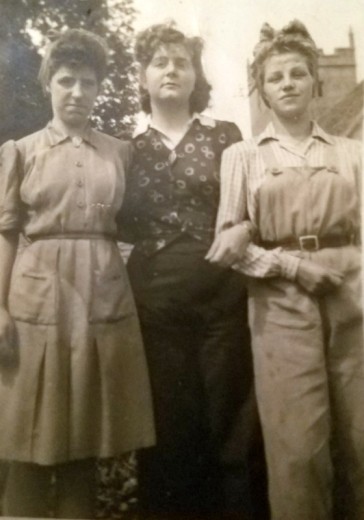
(309, 242)
(71, 236)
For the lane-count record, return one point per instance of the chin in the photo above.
(292, 114)
(76, 121)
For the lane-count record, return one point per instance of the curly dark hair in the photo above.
(74, 48)
(294, 37)
(155, 36)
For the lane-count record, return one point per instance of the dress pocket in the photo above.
(111, 298)
(33, 297)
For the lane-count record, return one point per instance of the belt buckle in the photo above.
(309, 243)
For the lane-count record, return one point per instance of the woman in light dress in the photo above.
(73, 381)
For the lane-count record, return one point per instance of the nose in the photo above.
(287, 82)
(171, 67)
(77, 90)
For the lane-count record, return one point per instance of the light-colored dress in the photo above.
(80, 387)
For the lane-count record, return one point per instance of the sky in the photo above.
(230, 29)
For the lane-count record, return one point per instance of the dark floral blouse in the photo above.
(171, 192)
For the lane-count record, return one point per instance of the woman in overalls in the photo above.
(300, 188)
(73, 380)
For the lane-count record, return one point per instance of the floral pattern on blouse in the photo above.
(171, 192)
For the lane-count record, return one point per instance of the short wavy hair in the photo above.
(294, 37)
(156, 36)
(74, 48)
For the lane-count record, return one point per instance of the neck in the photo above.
(297, 127)
(72, 131)
(170, 117)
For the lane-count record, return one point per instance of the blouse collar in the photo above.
(57, 135)
(317, 132)
(144, 125)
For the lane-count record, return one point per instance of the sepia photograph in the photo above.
(181, 307)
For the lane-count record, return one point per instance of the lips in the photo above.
(290, 96)
(76, 107)
(170, 84)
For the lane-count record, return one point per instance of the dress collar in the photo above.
(317, 132)
(57, 135)
(144, 125)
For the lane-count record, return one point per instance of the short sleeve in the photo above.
(234, 134)
(225, 134)
(9, 187)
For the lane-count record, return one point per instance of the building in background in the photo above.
(338, 105)
(345, 117)
(337, 76)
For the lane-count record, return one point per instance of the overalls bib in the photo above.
(308, 350)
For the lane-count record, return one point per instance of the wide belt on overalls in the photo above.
(309, 242)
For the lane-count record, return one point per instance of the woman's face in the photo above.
(170, 75)
(288, 84)
(73, 93)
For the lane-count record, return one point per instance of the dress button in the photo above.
(80, 183)
(76, 141)
(78, 163)
(80, 204)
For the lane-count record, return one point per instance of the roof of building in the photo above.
(346, 116)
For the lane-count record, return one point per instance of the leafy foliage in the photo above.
(22, 105)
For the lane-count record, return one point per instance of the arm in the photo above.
(233, 212)
(256, 261)
(9, 225)
(234, 134)
(124, 219)
(8, 248)
(230, 244)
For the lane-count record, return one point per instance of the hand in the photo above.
(229, 246)
(7, 338)
(316, 279)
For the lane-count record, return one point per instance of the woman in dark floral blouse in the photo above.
(190, 310)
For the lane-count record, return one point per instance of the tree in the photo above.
(28, 22)
(22, 105)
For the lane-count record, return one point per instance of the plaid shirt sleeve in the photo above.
(233, 209)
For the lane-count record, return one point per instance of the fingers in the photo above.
(221, 256)
(213, 250)
(229, 246)
(318, 280)
(329, 282)
(217, 253)
(336, 278)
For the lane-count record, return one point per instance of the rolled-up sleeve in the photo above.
(257, 262)
(10, 205)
